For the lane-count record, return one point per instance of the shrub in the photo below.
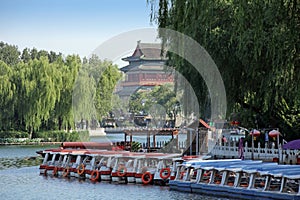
(14, 134)
(62, 136)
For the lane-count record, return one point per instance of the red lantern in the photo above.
(274, 133)
(255, 133)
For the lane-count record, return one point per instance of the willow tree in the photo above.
(105, 89)
(255, 45)
(63, 112)
(93, 90)
(38, 85)
(7, 93)
(83, 98)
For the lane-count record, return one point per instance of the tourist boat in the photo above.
(239, 179)
(154, 164)
(75, 160)
(165, 167)
(76, 168)
(124, 169)
(132, 168)
(62, 162)
(119, 169)
(105, 167)
(49, 155)
(92, 167)
(49, 162)
(168, 170)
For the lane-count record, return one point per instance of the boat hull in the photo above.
(239, 192)
(183, 186)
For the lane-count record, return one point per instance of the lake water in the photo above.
(24, 182)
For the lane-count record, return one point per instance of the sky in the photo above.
(69, 26)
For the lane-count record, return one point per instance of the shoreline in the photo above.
(30, 143)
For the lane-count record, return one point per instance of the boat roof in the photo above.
(248, 166)
(170, 156)
(197, 163)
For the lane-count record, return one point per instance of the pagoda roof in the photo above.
(146, 51)
(152, 66)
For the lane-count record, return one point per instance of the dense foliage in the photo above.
(255, 45)
(160, 103)
(38, 88)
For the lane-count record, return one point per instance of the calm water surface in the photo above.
(26, 183)
(19, 182)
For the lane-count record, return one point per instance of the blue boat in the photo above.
(245, 179)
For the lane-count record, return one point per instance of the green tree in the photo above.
(161, 103)
(9, 54)
(137, 102)
(26, 55)
(84, 97)
(105, 89)
(7, 94)
(38, 92)
(34, 53)
(94, 89)
(68, 70)
(255, 45)
(52, 56)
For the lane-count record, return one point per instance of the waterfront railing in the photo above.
(231, 150)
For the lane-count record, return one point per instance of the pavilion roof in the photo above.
(146, 51)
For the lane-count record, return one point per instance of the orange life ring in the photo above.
(95, 175)
(162, 173)
(66, 172)
(80, 169)
(147, 178)
(121, 171)
(54, 173)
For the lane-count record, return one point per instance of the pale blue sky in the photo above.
(69, 26)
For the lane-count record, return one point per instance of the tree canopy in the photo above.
(38, 89)
(255, 45)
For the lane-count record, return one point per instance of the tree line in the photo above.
(41, 90)
(255, 45)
